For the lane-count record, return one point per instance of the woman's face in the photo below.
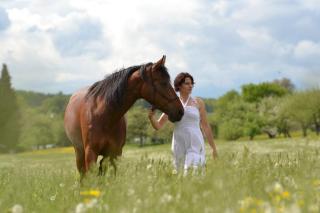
(186, 86)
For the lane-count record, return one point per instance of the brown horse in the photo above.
(94, 118)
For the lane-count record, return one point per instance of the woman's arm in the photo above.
(206, 127)
(157, 124)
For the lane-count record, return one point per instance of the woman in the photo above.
(187, 141)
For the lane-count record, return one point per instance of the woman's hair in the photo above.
(180, 79)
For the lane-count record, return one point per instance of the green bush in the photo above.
(231, 130)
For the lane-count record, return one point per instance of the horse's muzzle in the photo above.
(177, 116)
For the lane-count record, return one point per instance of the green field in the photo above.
(263, 176)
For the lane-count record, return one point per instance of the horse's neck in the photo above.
(116, 113)
(130, 97)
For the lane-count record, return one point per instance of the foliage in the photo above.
(42, 125)
(252, 122)
(272, 108)
(231, 130)
(163, 135)
(254, 93)
(33, 99)
(285, 83)
(9, 114)
(298, 107)
(209, 104)
(137, 124)
(315, 108)
(236, 118)
(269, 111)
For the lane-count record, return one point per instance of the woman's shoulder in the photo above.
(199, 100)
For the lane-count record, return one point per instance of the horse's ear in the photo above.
(161, 62)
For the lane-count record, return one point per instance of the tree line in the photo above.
(33, 120)
(272, 108)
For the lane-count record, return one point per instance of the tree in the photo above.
(298, 107)
(9, 113)
(252, 121)
(230, 116)
(222, 104)
(163, 135)
(314, 102)
(269, 113)
(284, 120)
(137, 124)
(55, 104)
(254, 93)
(54, 107)
(285, 83)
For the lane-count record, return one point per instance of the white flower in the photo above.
(313, 208)
(106, 207)
(149, 166)
(80, 208)
(130, 192)
(61, 185)
(166, 198)
(17, 208)
(277, 187)
(53, 197)
(92, 203)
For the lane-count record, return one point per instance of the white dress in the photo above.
(187, 141)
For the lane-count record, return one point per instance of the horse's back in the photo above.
(72, 118)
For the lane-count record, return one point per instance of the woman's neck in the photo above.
(184, 97)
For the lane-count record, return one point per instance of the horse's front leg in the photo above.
(90, 157)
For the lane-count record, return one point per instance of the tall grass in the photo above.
(264, 176)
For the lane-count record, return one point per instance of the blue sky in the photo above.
(64, 45)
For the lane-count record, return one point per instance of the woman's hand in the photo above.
(151, 113)
(214, 154)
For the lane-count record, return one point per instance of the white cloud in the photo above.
(65, 77)
(307, 49)
(311, 4)
(64, 45)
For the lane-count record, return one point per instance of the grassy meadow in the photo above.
(262, 176)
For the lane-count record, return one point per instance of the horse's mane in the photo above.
(113, 86)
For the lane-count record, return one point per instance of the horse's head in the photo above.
(157, 90)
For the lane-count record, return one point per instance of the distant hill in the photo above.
(35, 99)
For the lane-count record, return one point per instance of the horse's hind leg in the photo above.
(90, 158)
(102, 167)
(80, 162)
(114, 165)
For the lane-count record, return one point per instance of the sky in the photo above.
(64, 45)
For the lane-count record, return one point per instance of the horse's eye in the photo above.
(164, 84)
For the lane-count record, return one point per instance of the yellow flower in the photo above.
(301, 202)
(277, 198)
(285, 194)
(95, 193)
(259, 202)
(253, 211)
(281, 209)
(86, 201)
(316, 183)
